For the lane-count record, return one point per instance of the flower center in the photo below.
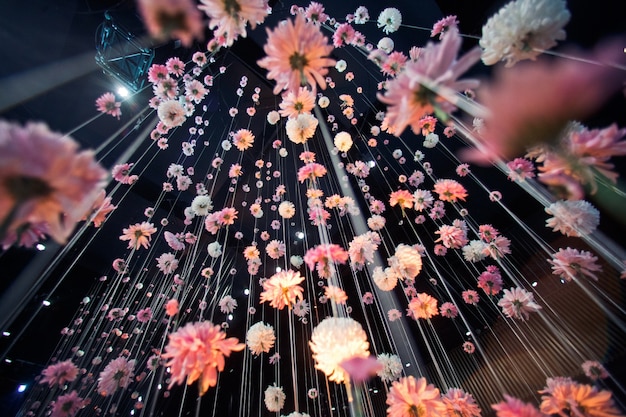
(170, 22)
(297, 61)
(24, 188)
(232, 7)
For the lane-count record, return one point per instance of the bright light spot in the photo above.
(534, 284)
(6, 334)
(300, 235)
(40, 246)
(332, 408)
(46, 303)
(132, 412)
(246, 291)
(278, 269)
(159, 386)
(22, 388)
(375, 391)
(408, 365)
(7, 360)
(468, 333)
(122, 91)
(140, 399)
(230, 317)
(562, 281)
(371, 164)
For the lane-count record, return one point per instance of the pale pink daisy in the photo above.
(448, 310)
(443, 25)
(423, 306)
(138, 234)
(518, 303)
(227, 304)
(175, 66)
(361, 249)
(451, 237)
(235, 171)
(470, 297)
(572, 264)
(275, 249)
(406, 261)
(368, 298)
(490, 280)
(573, 217)
(487, 232)
(468, 347)
(117, 374)
(520, 169)
(106, 104)
(343, 35)
(311, 171)
(410, 397)
(229, 18)
(394, 314)
(195, 91)
(157, 72)
(197, 351)
(59, 373)
(393, 64)
(422, 199)
(296, 55)
(177, 19)
(67, 405)
(167, 263)
(315, 13)
(282, 289)
(450, 190)
(227, 216)
(121, 173)
(296, 102)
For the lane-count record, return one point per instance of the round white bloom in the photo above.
(296, 261)
(391, 367)
(283, 152)
(361, 15)
(323, 102)
(407, 261)
(573, 217)
(301, 128)
(386, 44)
(297, 414)
(273, 117)
(286, 209)
(385, 280)
(274, 398)
(343, 141)
(260, 338)
(201, 205)
(523, 29)
(341, 65)
(214, 249)
(432, 139)
(334, 340)
(376, 222)
(474, 251)
(171, 113)
(226, 145)
(390, 19)
(375, 130)
(397, 153)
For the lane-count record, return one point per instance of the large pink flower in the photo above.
(178, 19)
(229, 17)
(571, 264)
(117, 374)
(196, 352)
(59, 373)
(45, 178)
(138, 234)
(296, 55)
(411, 397)
(67, 405)
(325, 256)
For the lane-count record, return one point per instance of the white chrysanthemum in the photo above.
(301, 128)
(273, 117)
(341, 65)
(431, 140)
(573, 217)
(171, 113)
(385, 279)
(361, 16)
(214, 249)
(296, 261)
(376, 222)
(522, 29)
(286, 209)
(334, 340)
(474, 251)
(391, 367)
(227, 304)
(260, 338)
(343, 141)
(407, 261)
(386, 44)
(226, 145)
(201, 205)
(389, 19)
(274, 398)
(323, 102)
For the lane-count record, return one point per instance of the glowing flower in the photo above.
(471, 297)
(275, 249)
(138, 234)
(335, 294)
(106, 104)
(385, 279)
(301, 128)
(450, 190)
(568, 397)
(44, 179)
(460, 403)
(286, 209)
(67, 405)
(178, 19)
(100, 209)
(335, 340)
(523, 29)
(402, 198)
(411, 397)
(171, 113)
(448, 310)
(571, 264)
(413, 93)
(260, 338)
(297, 102)
(117, 374)
(390, 20)
(59, 373)
(513, 407)
(282, 289)
(229, 18)
(573, 218)
(227, 304)
(343, 141)
(243, 139)
(451, 236)
(406, 262)
(274, 398)
(391, 367)
(296, 53)
(423, 306)
(171, 307)
(518, 303)
(196, 351)
(360, 369)
(323, 257)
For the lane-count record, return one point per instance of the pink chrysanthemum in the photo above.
(296, 102)
(275, 249)
(323, 257)
(344, 35)
(452, 237)
(67, 405)
(106, 104)
(513, 407)
(45, 179)
(402, 198)
(572, 264)
(518, 303)
(448, 310)
(450, 190)
(566, 397)
(117, 374)
(138, 234)
(573, 217)
(520, 169)
(229, 18)
(196, 352)
(471, 297)
(178, 19)
(59, 373)
(296, 55)
(410, 397)
(460, 403)
(443, 25)
(594, 370)
(311, 171)
(490, 280)
(282, 289)
(423, 306)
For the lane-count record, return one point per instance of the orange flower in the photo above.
(282, 289)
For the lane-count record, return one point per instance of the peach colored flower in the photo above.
(229, 17)
(450, 190)
(402, 198)
(138, 234)
(296, 55)
(423, 306)
(297, 102)
(410, 397)
(243, 139)
(171, 307)
(282, 289)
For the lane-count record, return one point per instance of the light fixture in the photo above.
(40, 246)
(122, 91)
(534, 284)
(468, 333)
(46, 303)
(22, 388)
(246, 291)
(7, 360)
(278, 269)
(6, 334)
(230, 317)
(408, 364)
(371, 164)
(300, 235)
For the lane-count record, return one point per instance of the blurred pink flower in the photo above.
(117, 374)
(513, 407)
(59, 373)
(450, 190)
(460, 403)
(229, 18)
(67, 405)
(572, 264)
(360, 368)
(178, 19)
(282, 289)
(106, 104)
(518, 303)
(323, 257)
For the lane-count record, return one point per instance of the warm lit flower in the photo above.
(572, 264)
(171, 113)
(196, 351)
(301, 128)
(171, 307)
(59, 373)
(450, 190)
(391, 367)
(335, 294)
(566, 397)
(260, 338)
(296, 55)
(282, 289)
(100, 209)
(385, 279)
(402, 198)
(286, 209)
(297, 102)
(411, 397)
(117, 374)
(243, 139)
(406, 261)
(518, 303)
(460, 403)
(311, 171)
(138, 234)
(275, 249)
(423, 306)
(274, 398)
(335, 340)
(448, 310)
(323, 257)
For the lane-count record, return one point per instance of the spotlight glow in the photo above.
(6, 334)
(22, 388)
(300, 235)
(46, 303)
(40, 246)
(246, 291)
(122, 91)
